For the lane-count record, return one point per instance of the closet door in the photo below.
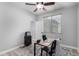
(39, 29)
(47, 25)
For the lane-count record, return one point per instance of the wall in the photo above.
(78, 27)
(13, 23)
(69, 24)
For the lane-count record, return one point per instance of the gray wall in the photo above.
(13, 23)
(78, 27)
(69, 24)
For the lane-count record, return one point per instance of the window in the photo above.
(52, 24)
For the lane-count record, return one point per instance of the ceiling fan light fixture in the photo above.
(39, 6)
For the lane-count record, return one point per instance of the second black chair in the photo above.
(51, 50)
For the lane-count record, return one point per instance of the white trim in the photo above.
(78, 50)
(63, 45)
(3, 52)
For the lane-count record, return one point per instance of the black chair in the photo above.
(51, 50)
(27, 39)
(44, 37)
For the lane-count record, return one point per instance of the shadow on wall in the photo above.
(21, 38)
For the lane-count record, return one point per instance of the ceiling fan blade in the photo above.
(29, 4)
(49, 3)
(35, 10)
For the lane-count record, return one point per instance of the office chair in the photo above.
(49, 50)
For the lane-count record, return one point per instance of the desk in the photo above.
(42, 43)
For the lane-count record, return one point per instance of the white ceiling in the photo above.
(58, 5)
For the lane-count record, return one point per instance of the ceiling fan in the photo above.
(40, 5)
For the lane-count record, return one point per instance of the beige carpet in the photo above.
(28, 51)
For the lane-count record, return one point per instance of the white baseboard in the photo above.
(63, 45)
(3, 52)
(78, 50)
